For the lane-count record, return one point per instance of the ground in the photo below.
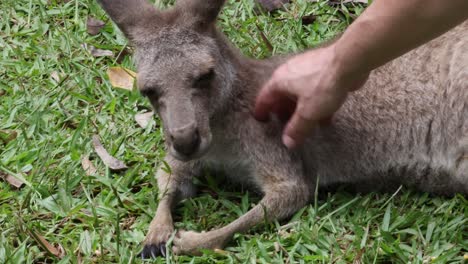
(54, 96)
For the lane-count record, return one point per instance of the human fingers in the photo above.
(297, 129)
(285, 109)
(265, 101)
(274, 97)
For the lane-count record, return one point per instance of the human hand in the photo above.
(305, 90)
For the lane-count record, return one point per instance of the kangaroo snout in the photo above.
(185, 140)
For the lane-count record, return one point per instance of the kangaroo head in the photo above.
(180, 67)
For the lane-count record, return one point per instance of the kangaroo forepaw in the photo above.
(155, 242)
(153, 251)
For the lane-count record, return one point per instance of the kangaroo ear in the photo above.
(200, 13)
(136, 18)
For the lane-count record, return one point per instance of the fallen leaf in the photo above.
(338, 2)
(265, 39)
(277, 247)
(127, 223)
(86, 212)
(307, 20)
(58, 251)
(100, 52)
(55, 76)
(95, 52)
(94, 26)
(121, 77)
(61, 251)
(123, 54)
(7, 136)
(2, 92)
(79, 258)
(144, 119)
(88, 166)
(111, 162)
(221, 252)
(58, 1)
(358, 257)
(271, 5)
(356, 1)
(13, 181)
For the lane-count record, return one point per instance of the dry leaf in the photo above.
(94, 26)
(58, 1)
(13, 181)
(338, 2)
(88, 166)
(55, 76)
(271, 5)
(221, 252)
(113, 163)
(358, 257)
(7, 136)
(100, 52)
(121, 77)
(2, 92)
(277, 247)
(309, 19)
(123, 54)
(59, 252)
(356, 1)
(95, 52)
(265, 39)
(144, 119)
(79, 258)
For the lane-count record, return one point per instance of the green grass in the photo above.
(103, 219)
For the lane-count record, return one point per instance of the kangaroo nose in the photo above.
(186, 140)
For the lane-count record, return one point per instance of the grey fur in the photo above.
(407, 126)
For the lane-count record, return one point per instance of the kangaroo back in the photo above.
(409, 124)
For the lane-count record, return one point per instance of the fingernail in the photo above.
(289, 142)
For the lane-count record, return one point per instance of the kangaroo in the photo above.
(407, 126)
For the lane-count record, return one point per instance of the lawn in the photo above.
(54, 96)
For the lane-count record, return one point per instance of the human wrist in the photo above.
(347, 68)
(339, 69)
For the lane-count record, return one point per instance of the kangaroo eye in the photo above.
(204, 80)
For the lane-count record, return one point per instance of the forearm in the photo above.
(390, 28)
